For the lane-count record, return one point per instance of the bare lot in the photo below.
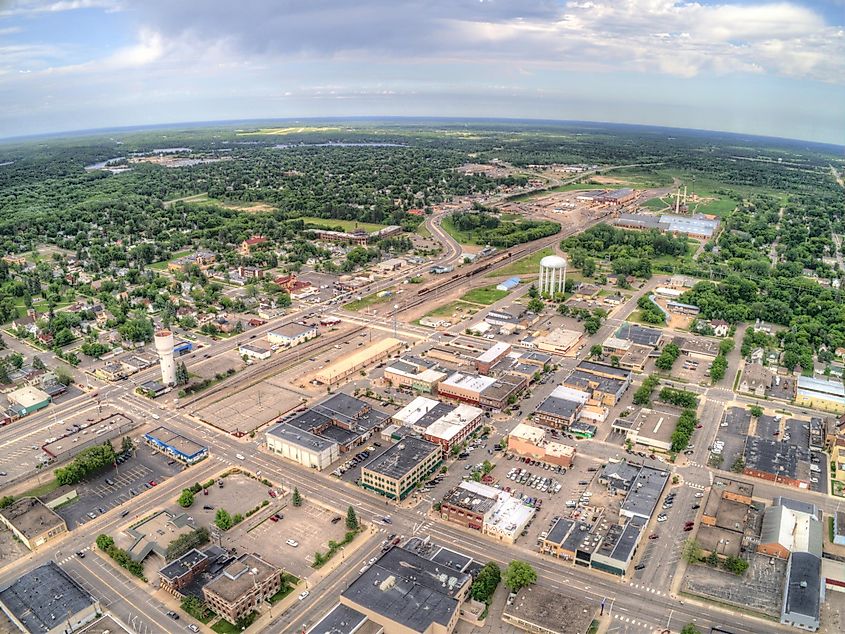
(11, 548)
(239, 494)
(207, 368)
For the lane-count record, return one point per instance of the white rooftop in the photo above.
(454, 422)
(473, 382)
(570, 394)
(415, 410)
(498, 349)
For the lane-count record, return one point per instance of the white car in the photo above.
(304, 594)
(292, 542)
(661, 517)
(699, 495)
(240, 456)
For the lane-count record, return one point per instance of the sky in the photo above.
(772, 67)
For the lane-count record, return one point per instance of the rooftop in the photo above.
(471, 382)
(341, 620)
(551, 610)
(803, 585)
(402, 457)
(560, 530)
(43, 595)
(479, 499)
(183, 445)
(239, 576)
(182, 566)
(645, 491)
(639, 334)
(31, 517)
(496, 351)
(296, 436)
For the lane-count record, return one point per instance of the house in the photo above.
(720, 327)
(251, 242)
(756, 379)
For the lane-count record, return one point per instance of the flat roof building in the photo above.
(465, 387)
(396, 472)
(823, 394)
(531, 441)
(291, 334)
(242, 587)
(348, 365)
(47, 600)
(32, 522)
(418, 374)
(561, 408)
(650, 428)
(645, 491)
(492, 356)
(175, 445)
(803, 592)
(301, 446)
(617, 547)
(543, 611)
(28, 399)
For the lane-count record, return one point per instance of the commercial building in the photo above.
(543, 611)
(487, 359)
(27, 400)
(453, 427)
(175, 445)
(180, 573)
(342, 619)
(465, 387)
(32, 522)
(47, 600)
(790, 526)
(650, 428)
(617, 547)
(291, 334)
(824, 394)
(405, 593)
(639, 334)
(469, 504)
(508, 519)
(774, 460)
(605, 383)
(358, 236)
(503, 391)
(530, 441)
(561, 408)
(646, 489)
(756, 379)
(839, 528)
(803, 592)
(255, 351)
(725, 518)
(346, 366)
(557, 341)
(301, 446)
(242, 587)
(396, 472)
(415, 373)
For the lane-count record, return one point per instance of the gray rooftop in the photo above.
(552, 611)
(560, 407)
(41, 597)
(601, 368)
(401, 457)
(408, 589)
(341, 620)
(645, 491)
(180, 567)
(638, 334)
(296, 436)
(803, 585)
(560, 530)
(620, 541)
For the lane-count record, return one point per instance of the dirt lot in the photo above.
(10, 548)
(216, 364)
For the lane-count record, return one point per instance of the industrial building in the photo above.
(698, 226)
(32, 522)
(175, 445)
(824, 394)
(346, 366)
(47, 600)
(552, 279)
(508, 285)
(396, 472)
(291, 334)
(255, 351)
(415, 373)
(301, 446)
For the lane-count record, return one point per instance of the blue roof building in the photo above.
(508, 285)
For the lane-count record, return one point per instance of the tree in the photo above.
(38, 364)
(690, 628)
(536, 305)
(486, 582)
(104, 542)
(296, 498)
(756, 411)
(518, 575)
(186, 498)
(736, 565)
(351, 519)
(6, 501)
(182, 376)
(692, 551)
(738, 465)
(126, 445)
(63, 376)
(533, 293)
(596, 351)
(223, 520)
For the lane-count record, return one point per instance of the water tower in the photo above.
(164, 347)
(552, 275)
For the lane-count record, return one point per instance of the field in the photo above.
(367, 301)
(462, 237)
(346, 225)
(656, 204)
(457, 306)
(160, 266)
(486, 295)
(528, 265)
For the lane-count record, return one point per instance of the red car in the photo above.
(153, 483)
(688, 528)
(272, 493)
(273, 518)
(699, 426)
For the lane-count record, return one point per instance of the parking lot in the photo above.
(239, 494)
(692, 370)
(733, 431)
(130, 478)
(309, 526)
(348, 468)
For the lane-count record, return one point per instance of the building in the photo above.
(180, 573)
(469, 504)
(725, 518)
(756, 379)
(175, 445)
(348, 365)
(302, 447)
(509, 284)
(803, 592)
(47, 600)
(824, 394)
(203, 259)
(561, 408)
(790, 526)
(774, 460)
(699, 226)
(555, 543)
(405, 593)
(465, 387)
(617, 548)
(415, 373)
(32, 522)
(251, 242)
(27, 400)
(650, 428)
(839, 528)
(504, 391)
(616, 197)
(451, 428)
(254, 351)
(291, 334)
(530, 441)
(543, 611)
(639, 334)
(164, 348)
(342, 619)
(557, 341)
(357, 236)
(552, 275)
(487, 359)
(396, 472)
(646, 489)
(242, 587)
(606, 384)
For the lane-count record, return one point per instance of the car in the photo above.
(699, 495)
(240, 456)
(80, 554)
(654, 536)
(91, 515)
(271, 493)
(292, 542)
(689, 523)
(511, 598)
(387, 520)
(699, 426)
(695, 507)
(153, 483)
(273, 518)
(125, 513)
(193, 627)
(173, 615)
(639, 566)
(3, 473)
(662, 517)
(582, 482)
(688, 528)
(303, 595)
(592, 469)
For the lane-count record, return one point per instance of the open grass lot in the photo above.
(569, 187)
(486, 295)
(290, 130)
(196, 198)
(367, 301)
(462, 237)
(452, 308)
(346, 225)
(656, 204)
(530, 264)
(160, 266)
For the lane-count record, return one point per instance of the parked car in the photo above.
(292, 542)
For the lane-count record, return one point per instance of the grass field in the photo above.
(485, 295)
(462, 237)
(197, 198)
(292, 130)
(369, 300)
(530, 264)
(457, 306)
(160, 266)
(346, 225)
(656, 204)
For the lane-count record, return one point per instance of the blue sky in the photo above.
(772, 67)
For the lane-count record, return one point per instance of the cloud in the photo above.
(33, 7)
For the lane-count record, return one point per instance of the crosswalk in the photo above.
(696, 464)
(631, 621)
(640, 586)
(693, 485)
(62, 562)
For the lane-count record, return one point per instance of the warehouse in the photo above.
(302, 447)
(347, 366)
(823, 394)
(291, 334)
(33, 523)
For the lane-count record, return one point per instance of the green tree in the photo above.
(186, 498)
(486, 582)
(736, 565)
(38, 364)
(536, 305)
(756, 411)
(351, 519)
(63, 376)
(6, 501)
(223, 520)
(182, 376)
(519, 574)
(596, 351)
(533, 293)
(126, 445)
(692, 551)
(104, 542)
(690, 628)
(296, 498)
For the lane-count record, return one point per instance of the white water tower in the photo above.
(552, 275)
(164, 347)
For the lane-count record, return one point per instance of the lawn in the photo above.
(43, 489)
(369, 300)
(486, 295)
(224, 627)
(457, 306)
(656, 204)
(160, 266)
(462, 237)
(345, 225)
(288, 585)
(196, 198)
(530, 264)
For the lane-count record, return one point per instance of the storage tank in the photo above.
(164, 347)
(552, 275)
